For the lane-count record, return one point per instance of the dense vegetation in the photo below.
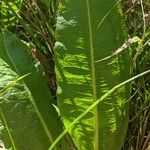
(75, 74)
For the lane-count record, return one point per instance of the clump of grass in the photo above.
(138, 21)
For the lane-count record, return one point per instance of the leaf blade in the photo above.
(77, 71)
(32, 118)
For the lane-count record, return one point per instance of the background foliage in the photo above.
(138, 21)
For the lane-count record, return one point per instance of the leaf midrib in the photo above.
(93, 77)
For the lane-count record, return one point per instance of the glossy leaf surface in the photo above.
(81, 81)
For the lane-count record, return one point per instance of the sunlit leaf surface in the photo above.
(81, 81)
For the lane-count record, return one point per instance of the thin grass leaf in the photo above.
(8, 87)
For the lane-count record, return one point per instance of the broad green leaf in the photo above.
(28, 118)
(81, 81)
(91, 107)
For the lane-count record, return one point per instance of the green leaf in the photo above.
(81, 42)
(102, 98)
(29, 118)
(5, 89)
